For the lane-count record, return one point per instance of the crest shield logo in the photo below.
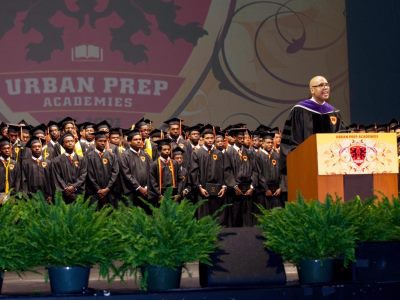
(358, 153)
(113, 60)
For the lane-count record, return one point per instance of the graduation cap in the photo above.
(207, 129)
(61, 140)
(256, 133)
(381, 128)
(88, 125)
(13, 128)
(103, 126)
(174, 121)
(163, 142)
(178, 150)
(263, 128)
(52, 124)
(268, 135)
(23, 123)
(26, 128)
(237, 131)
(352, 127)
(3, 125)
(156, 133)
(116, 130)
(4, 141)
(65, 121)
(100, 134)
(274, 130)
(370, 128)
(41, 128)
(195, 128)
(34, 140)
(131, 133)
(393, 123)
(142, 122)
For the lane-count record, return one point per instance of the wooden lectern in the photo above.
(344, 164)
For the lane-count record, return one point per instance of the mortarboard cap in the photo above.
(274, 130)
(23, 123)
(61, 140)
(103, 126)
(116, 130)
(268, 135)
(195, 128)
(4, 141)
(142, 122)
(3, 125)
(41, 128)
(163, 142)
(52, 123)
(14, 128)
(100, 134)
(156, 133)
(131, 133)
(33, 140)
(87, 125)
(174, 121)
(177, 150)
(237, 131)
(263, 128)
(65, 121)
(207, 129)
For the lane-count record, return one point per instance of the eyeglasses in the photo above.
(321, 85)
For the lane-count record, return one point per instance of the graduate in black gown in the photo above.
(53, 148)
(134, 169)
(310, 116)
(9, 170)
(241, 177)
(207, 174)
(175, 134)
(270, 179)
(69, 170)
(144, 127)
(35, 170)
(102, 173)
(164, 173)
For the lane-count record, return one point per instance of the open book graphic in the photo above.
(86, 53)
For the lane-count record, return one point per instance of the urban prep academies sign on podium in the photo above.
(344, 164)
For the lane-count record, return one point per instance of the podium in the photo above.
(344, 165)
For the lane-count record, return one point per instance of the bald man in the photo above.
(310, 116)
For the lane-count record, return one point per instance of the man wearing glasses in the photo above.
(310, 116)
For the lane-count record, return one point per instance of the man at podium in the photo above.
(310, 116)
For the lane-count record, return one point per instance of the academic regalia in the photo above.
(14, 174)
(269, 177)
(36, 176)
(168, 174)
(207, 171)
(134, 169)
(307, 118)
(66, 171)
(241, 171)
(185, 145)
(102, 172)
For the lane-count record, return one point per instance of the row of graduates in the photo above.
(240, 174)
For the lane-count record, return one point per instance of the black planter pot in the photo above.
(68, 280)
(315, 270)
(1, 280)
(162, 278)
(377, 262)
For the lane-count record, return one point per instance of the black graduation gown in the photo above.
(14, 175)
(269, 177)
(102, 172)
(185, 145)
(66, 172)
(240, 171)
(208, 167)
(134, 169)
(303, 123)
(35, 176)
(166, 179)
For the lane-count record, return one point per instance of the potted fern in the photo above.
(310, 235)
(68, 239)
(158, 245)
(14, 255)
(377, 225)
